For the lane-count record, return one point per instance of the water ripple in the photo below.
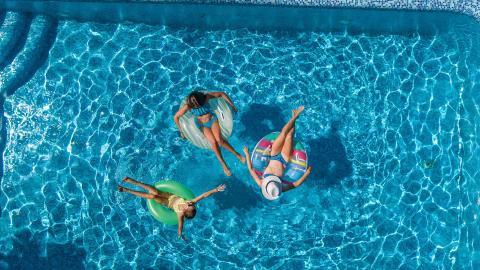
(393, 144)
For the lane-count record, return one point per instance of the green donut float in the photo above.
(162, 213)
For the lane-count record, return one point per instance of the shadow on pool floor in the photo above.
(328, 159)
(26, 255)
(260, 120)
(230, 199)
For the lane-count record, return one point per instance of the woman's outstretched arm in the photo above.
(180, 226)
(301, 180)
(177, 116)
(208, 193)
(250, 168)
(224, 96)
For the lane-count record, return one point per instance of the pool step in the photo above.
(33, 53)
(13, 34)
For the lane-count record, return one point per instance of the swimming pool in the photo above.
(391, 126)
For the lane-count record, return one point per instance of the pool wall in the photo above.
(471, 8)
(397, 16)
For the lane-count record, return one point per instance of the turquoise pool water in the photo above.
(391, 126)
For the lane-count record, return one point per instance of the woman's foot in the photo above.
(120, 189)
(240, 157)
(297, 111)
(127, 179)
(227, 171)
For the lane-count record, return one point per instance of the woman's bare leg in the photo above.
(216, 149)
(224, 143)
(149, 188)
(160, 196)
(280, 140)
(149, 196)
(288, 145)
(144, 195)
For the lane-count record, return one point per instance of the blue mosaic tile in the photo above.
(468, 7)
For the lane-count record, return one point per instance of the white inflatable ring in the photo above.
(195, 135)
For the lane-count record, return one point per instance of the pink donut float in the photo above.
(295, 168)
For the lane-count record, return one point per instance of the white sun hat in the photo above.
(271, 187)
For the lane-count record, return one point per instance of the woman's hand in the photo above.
(302, 179)
(247, 157)
(220, 188)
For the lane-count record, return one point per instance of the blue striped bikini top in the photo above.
(201, 110)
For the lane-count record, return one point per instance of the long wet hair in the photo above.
(196, 99)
